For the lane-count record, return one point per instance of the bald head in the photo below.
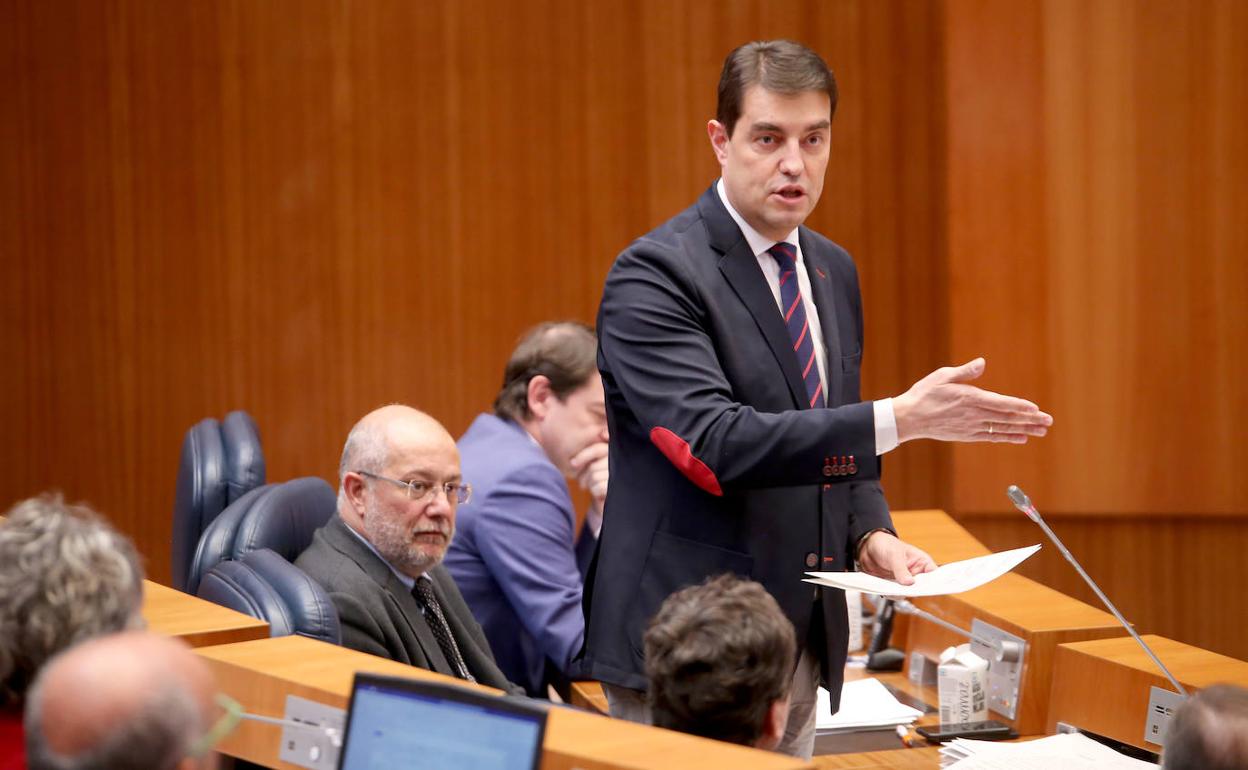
(385, 451)
(134, 694)
(374, 439)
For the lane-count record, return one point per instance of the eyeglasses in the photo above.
(456, 492)
(223, 727)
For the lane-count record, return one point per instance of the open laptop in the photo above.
(397, 723)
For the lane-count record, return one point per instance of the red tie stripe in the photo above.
(796, 321)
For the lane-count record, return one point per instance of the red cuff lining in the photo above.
(676, 450)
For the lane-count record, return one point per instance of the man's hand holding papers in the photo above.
(952, 578)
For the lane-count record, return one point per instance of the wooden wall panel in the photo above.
(1169, 575)
(307, 209)
(1097, 158)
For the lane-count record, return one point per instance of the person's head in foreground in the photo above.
(65, 576)
(719, 661)
(1209, 731)
(125, 701)
(399, 486)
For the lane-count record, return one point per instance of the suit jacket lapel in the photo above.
(740, 268)
(821, 288)
(341, 538)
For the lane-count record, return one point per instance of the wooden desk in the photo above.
(1103, 686)
(260, 674)
(588, 695)
(198, 622)
(1041, 616)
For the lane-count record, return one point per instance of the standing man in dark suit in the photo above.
(399, 486)
(730, 341)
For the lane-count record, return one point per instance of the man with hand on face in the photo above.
(399, 487)
(730, 344)
(514, 558)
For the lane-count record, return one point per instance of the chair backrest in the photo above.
(244, 457)
(220, 462)
(266, 586)
(280, 517)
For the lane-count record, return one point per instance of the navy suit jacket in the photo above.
(513, 556)
(717, 462)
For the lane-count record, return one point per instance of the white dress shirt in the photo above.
(885, 420)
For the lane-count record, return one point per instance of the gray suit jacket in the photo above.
(379, 615)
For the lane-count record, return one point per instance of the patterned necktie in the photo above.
(796, 321)
(423, 593)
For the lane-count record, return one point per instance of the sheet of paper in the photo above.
(865, 704)
(1070, 751)
(952, 578)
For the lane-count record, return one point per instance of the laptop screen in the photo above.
(409, 723)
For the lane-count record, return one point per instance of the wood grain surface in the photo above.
(1103, 686)
(306, 209)
(260, 674)
(309, 209)
(197, 622)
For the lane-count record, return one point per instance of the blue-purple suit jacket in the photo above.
(513, 556)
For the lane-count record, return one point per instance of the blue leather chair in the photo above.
(266, 586)
(280, 517)
(220, 462)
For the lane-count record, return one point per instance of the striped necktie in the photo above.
(795, 319)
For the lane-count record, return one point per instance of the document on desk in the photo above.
(952, 578)
(1070, 751)
(866, 704)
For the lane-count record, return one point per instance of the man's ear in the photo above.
(718, 134)
(353, 487)
(773, 724)
(539, 396)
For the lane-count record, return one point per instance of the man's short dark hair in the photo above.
(1209, 731)
(780, 66)
(718, 655)
(566, 352)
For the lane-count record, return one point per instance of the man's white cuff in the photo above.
(885, 426)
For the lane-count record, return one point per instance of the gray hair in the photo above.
(365, 450)
(1209, 731)
(65, 576)
(158, 737)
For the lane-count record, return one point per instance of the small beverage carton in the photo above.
(962, 679)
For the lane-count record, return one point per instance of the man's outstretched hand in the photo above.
(944, 406)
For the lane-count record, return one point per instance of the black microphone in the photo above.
(1023, 503)
(881, 657)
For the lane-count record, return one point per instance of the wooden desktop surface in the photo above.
(1117, 672)
(260, 674)
(589, 695)
(198, 622)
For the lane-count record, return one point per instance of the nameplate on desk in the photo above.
(1161, 706)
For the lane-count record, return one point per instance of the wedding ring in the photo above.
(989, 429)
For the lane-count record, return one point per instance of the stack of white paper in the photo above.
(1070, 751)
(865, 705)
(952, 578)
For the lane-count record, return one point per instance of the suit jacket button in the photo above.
(853, 468)
(812, 560)
(828, 470)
